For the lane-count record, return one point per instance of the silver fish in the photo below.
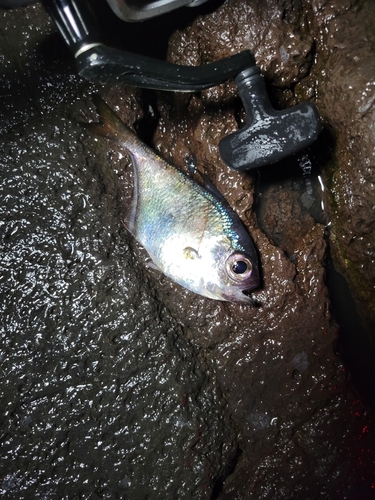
(191, 235)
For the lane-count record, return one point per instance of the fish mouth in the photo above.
(248, 299)
(235, 293)
(244, 295)
(239, 296)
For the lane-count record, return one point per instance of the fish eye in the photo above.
(239, 267)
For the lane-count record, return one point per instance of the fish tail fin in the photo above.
(110, 125)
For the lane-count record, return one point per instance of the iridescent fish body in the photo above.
(191, 235)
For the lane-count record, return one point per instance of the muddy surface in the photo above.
(348, 77)
(117, 383)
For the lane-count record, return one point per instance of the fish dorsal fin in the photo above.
(205, 180)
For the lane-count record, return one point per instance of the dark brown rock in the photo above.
(345, 72)
(252, 348)
(117, 382)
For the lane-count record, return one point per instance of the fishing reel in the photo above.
(268, 136)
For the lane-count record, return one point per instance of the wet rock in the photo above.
(345, 72)
(102, 395)
(100, 386)
(37, 70)
(117, 382)
(248, 348)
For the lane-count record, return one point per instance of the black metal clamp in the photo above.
(97, 62)
(267, 137)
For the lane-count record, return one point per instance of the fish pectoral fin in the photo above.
(190, 253)
(151, 265)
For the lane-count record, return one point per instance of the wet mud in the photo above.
(117, 383)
